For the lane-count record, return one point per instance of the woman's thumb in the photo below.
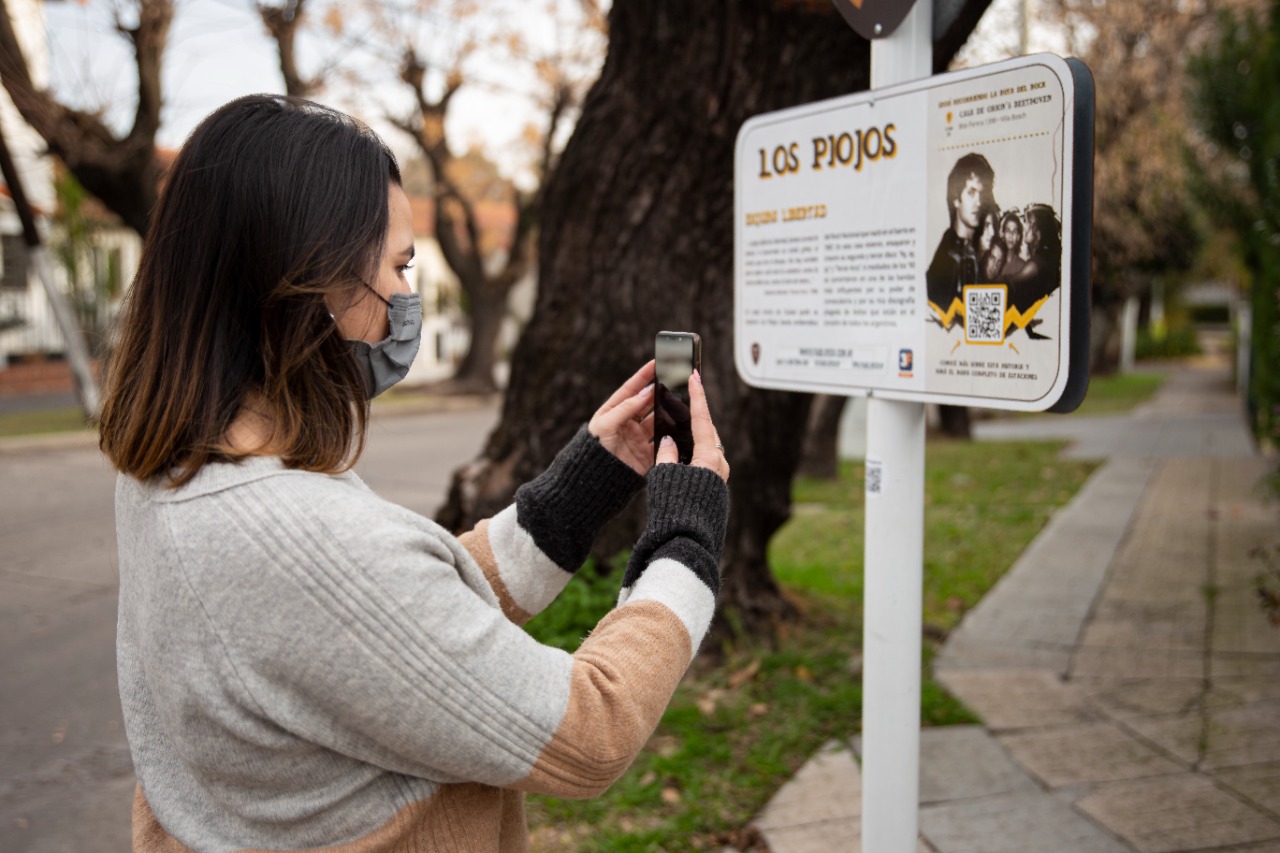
(667, 452)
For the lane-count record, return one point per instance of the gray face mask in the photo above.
(387, 362)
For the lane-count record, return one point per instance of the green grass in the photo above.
(736, 731)
(69, 419)
(1112, 395)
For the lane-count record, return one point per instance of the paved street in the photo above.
(66, 781)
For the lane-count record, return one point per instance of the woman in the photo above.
(987, 227)
(1011, 232)
(993, 262)
(302, 664)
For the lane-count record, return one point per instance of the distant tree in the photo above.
(1234, 90)
(638, 236)
(122, 171)
(283, 23)
(1144, 223)
(558, 77)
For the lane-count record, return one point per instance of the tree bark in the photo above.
(487, 308)
(821, 457)
(954, 422)
(637, 236)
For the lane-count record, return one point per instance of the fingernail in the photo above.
(645, 391)
(697, 374)
(667, 441)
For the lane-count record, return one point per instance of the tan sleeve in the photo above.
(623, 678)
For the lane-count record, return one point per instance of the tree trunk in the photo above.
(637, 236)
(486, 309)
(954, 422)
(822, 438)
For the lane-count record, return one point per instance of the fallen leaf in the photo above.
(670, 796)
(744, 675)
(803, 673)
(709, 701)
(757, 710)
(664, 745)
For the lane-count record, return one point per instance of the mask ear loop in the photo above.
(372, 290)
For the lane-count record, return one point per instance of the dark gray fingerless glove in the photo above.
(565, 507)
(688, 516)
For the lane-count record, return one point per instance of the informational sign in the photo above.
(927, 241)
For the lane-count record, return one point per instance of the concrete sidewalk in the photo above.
(1126, 677)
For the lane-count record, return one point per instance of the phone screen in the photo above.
(677, 356)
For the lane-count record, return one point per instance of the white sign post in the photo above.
(926, 241)
(893, 587)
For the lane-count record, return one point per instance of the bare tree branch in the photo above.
(121, 172)
(282, 23)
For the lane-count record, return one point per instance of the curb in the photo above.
(406, 404)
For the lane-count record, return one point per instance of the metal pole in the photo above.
(894, 555)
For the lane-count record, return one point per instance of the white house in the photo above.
(26, 319)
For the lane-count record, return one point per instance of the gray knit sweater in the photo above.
(303, 664)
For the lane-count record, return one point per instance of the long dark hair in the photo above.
(272, 204)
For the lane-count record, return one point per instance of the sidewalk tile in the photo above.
(827, 788)
(819, 809)
(977, 652)
(821, 837)
(1217, 736)
(1175, 813)
(1239, 624)
(964, 762)
(1181, 735)
(1244, 666)
(1140, 697)
(1244, 734)
(1015, 699)
(1108, 662)
(1144, 623)
(1243, 691)
(1013, 823)
(1086, 752)
(1257, 782)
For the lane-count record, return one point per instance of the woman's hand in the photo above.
(624, 424)
(707, 450)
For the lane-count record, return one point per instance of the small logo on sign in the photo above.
(755, 353)
(906, 363)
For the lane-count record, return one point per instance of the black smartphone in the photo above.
(677, 356)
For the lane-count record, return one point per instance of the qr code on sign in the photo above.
(875, 478)
(984, 314)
